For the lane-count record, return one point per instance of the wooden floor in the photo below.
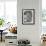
(2, 43)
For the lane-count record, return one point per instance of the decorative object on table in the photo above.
(13, 29)
(28, 16)
(23, 42)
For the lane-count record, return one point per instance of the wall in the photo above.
(31, 32)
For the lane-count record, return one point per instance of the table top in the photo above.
(1, 30)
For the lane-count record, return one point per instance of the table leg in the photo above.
(1, 36)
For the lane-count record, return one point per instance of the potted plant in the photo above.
(1, 22)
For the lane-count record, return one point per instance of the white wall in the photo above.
(31, 32)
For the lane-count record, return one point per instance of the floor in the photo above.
(2, 43)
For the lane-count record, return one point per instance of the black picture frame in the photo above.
(28, 16)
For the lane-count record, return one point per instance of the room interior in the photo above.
(22, 22)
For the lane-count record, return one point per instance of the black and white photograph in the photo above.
(28, 16)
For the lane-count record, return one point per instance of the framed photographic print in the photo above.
(28, 16)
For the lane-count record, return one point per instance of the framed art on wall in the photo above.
(28, 16)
